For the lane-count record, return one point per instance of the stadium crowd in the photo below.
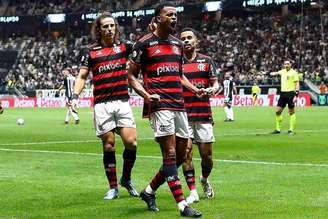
(253, 45)
(42, 7)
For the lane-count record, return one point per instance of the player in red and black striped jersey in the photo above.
(202, 73)
(107, 60)
(158, 55)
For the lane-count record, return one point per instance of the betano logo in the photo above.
(167, 68)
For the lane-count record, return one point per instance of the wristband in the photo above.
(75, 97)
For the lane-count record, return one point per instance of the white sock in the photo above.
(75, 116)
(182, 205)
(194, 193)
(231, 113)
(149, 190)
(68, 115)
(226, 110)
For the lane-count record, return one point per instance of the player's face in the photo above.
(65, 72)
(168, 19)
(227, 75)
(287, 65)
(189, 40)
(107, 28)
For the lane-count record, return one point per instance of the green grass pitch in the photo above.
(52, 170)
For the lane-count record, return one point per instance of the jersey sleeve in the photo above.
(280, 72)
(85, 59)
(137, 52)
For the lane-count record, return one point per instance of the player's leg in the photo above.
(189, 174)
(109, 161)
(226, 111)
(68, 114)
(205, 150)
(75, 115)
(281, 105)
(291, 110)
(205, 138)
(105, 126)
(165, 125)
(129, 138)
(231, 116)
(127, 130)
(189, 170)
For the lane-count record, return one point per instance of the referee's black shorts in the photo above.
(287, 98)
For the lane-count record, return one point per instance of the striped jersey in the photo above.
(69, 85)
(160, 61)
(200, 72)
(109, 74)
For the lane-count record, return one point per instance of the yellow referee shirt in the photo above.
(256, 89)
(288, 79)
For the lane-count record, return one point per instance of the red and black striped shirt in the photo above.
(199, 72)
(161, 66)
(109, 74)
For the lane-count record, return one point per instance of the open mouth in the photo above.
(173, 24)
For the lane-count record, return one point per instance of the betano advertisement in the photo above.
(136, 101)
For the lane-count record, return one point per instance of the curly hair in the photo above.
(95, 29)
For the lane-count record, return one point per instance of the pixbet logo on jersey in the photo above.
(167, 68)
(109, 67)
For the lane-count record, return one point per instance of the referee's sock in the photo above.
(292, 121)
(278, 122)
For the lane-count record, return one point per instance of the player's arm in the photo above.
(79, 85)
(133, 72)
(60, 88)
(187, 84)
(234, 89)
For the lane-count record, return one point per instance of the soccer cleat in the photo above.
(275, 132)
(207, 188)
(190, 212)
(66, 122)
(229, 120)
(192, 198)
(77, 122)
(129, 186)
(290, 132)
(112, 194)
(150, 200)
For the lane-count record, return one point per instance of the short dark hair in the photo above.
(162, 5)
(191, 30)
(95, 29)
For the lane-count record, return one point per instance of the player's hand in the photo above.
(210, 91)
(201, 92)
(153, 98)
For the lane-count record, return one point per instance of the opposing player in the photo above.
(158, 55)
(107, 60)
(229, 89)
(68, 84)
(202, 73)
(256, 90)
(288, 96)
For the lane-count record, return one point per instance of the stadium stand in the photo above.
(254, 44)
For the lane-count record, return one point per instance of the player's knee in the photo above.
(131, 142)
(109, 146)
(170, 153)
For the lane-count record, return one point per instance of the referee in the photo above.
(288, 95)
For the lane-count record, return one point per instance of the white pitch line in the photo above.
(159, 157)
(151, 138)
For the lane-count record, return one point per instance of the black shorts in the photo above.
(254, 95)
(286, 98)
